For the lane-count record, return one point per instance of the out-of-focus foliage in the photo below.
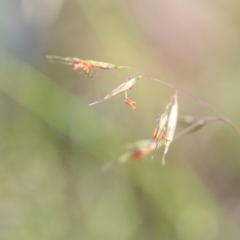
(53, 145)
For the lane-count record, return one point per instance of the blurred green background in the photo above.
(53, 145)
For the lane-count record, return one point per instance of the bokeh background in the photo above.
(53, 145)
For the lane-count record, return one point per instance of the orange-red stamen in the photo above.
(131, 103)
(156, 135)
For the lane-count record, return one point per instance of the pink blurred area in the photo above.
(187, 36)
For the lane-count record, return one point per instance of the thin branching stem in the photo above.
(193, 97)
(196, 99)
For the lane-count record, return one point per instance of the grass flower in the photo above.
(171, 124)
(159, 131)
(85, 66)
(142, 148)
(166, 126)
(139, 150)
(123, 88)
(164, 133)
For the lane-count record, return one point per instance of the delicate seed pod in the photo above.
(124, 87)
(171, 124)
(86, 66)
(158, 133)
(140, 149)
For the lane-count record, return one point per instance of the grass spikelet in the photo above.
(86, 66)
(123, 88)
(139, 150)
(171, 124)
(158, 133)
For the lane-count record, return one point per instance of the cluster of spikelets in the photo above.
(87, 67)
(163, 134)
